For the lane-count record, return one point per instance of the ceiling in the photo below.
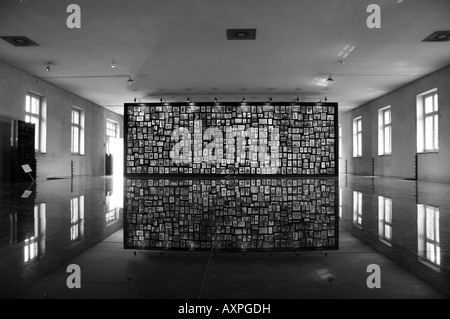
(175, 49)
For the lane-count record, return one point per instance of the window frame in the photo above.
(40, 145)
(422, 116)
(116, 128)
(80, 128)
(382, 127)
(357, 137)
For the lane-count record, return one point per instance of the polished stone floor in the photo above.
(402, 226)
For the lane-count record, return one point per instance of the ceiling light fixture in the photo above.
(130, 81)
(48, 67)
(113, 64)
(298, 99)
(270, 99)
(330, 79)
(241, 34)
(189, 100)
(244, 100)
(162, 100)
(19, 41)
(323, 99)
(215, 100)
(438, 36)
(135, 100)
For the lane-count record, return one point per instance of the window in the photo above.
(340, 141)
(357, 208)
(385, 220)
(384, 131)
(76, 218)
(35, 114)
(112, 132)
(429, 249)
(427, 122)
(357, 137)
(112, 129)
(77, 146)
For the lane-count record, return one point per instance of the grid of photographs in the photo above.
(231, 214)
(241, 139)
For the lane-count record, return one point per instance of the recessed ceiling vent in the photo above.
(20, 41)
(438, 36)
(241, 34)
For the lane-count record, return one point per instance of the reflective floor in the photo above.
(44, 226)
(257, 214)
(402, 226)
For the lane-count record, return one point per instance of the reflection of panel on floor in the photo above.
(23, 217)
(280, 214)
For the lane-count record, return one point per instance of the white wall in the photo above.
(431, 167)
(14, 85)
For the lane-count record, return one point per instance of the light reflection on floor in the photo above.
(407, 221)
(401, 225)
(45, 225)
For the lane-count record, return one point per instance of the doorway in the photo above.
(114, 149)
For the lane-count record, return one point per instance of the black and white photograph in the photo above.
(219, 157)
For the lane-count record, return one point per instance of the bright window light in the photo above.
(357, 137)
(429, 249)
(384, 131)
(35, 114)
(77, 145)
(357, 208)
(385, 220)
(76, 218)
(427, 122)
